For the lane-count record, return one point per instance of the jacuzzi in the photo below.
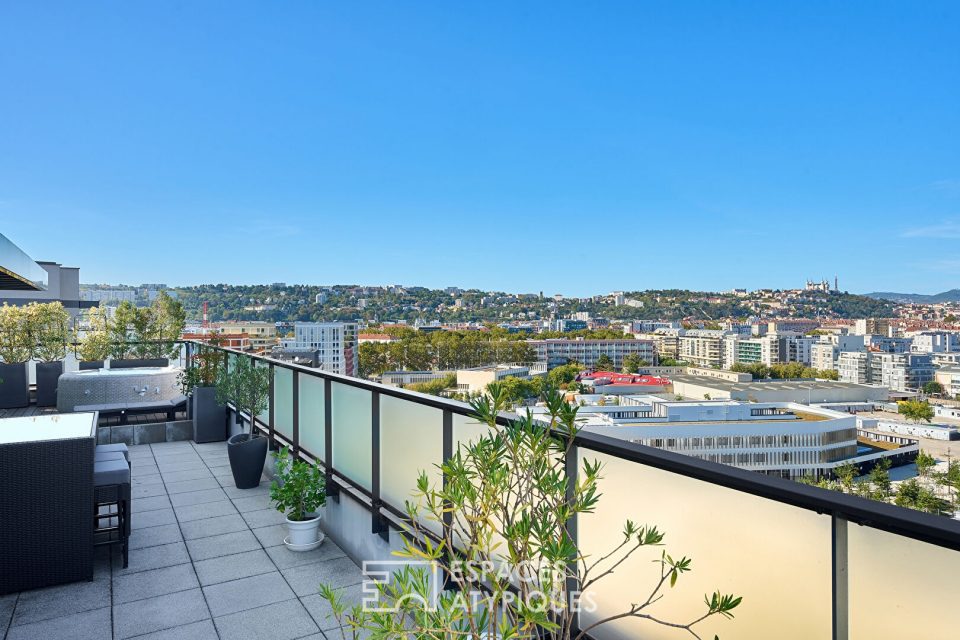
(114, 386)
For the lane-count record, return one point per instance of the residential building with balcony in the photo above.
(949, 378)
(936, 342)
(854, 367)
(703, 347)
(556, 352)
(260, 335)
(331, 346)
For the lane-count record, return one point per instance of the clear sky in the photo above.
(571, 147)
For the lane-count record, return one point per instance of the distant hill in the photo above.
(947, 296)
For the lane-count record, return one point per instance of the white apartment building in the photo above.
(556, 352)
(854, 367)
(703, 347)
(776, 438)
(332, 345)
(825, 352)
(936, 342)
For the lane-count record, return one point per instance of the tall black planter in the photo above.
(247, 457)
(15, 388)
(209, 418)
(48, 374)
(87, 365)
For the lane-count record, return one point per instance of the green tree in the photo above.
(632, 363)
(435, 387)
(880, 479)
(915, 410)
(604, 363)
(925, 462)
(933, 388)
(846, 473)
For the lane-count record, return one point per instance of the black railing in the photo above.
(842, 510)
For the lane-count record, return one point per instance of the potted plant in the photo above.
(247, 387)
(298, 490)
(50, 323)
(94, 345)
(199, 381)
(15, 350)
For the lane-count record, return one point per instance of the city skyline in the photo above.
(556, 148)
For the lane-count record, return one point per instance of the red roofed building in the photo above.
(375, 337)
(623, 383)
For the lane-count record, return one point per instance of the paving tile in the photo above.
(184, 486)
(147, 490)
(200, 511)
(271, 536)
(88, 625)
(198, 497)
(253, 503)
(181, 465)
(152, 536)
(284, 558)
(152, 583)
(280, 621)
(235, 493)
(7, 603)
(192, 474)
(166, 555)
(263, 518)
(203, 630)
(143, 468)
(246, 593)
(339, 572)
(149, 504)
(319, 607)
(222, 472)
(162, 612)
(212, 526)
(222, 545)
(52, 602)
(233, 567)
(144, 519)
(143, 480)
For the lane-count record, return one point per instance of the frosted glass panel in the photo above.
(776, 556)
(466, 429)
(901, 588)
(312, 426)
(411, 441)
(283, 401)
(352, 433)
(264, 416)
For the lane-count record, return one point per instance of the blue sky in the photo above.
(568, 147)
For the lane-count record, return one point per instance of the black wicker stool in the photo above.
(111, 503)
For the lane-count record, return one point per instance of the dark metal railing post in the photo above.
(378, 524)
(270, 429)
(573, 569)
(838, 539)
(447, 453)
(333, 490)
(296, 414)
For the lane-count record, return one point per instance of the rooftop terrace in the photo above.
(207, 561)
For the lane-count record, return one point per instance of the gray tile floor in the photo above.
(207, 561)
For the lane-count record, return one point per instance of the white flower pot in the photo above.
(303, 535)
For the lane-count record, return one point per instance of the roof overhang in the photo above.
(18, 271)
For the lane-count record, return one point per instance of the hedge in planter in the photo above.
(50, 326)
(16, 348)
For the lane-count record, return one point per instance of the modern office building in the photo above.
(782, 439)
(403, 378)
(699, 387)
(23, 280)
(331, 346)
(556, 352)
